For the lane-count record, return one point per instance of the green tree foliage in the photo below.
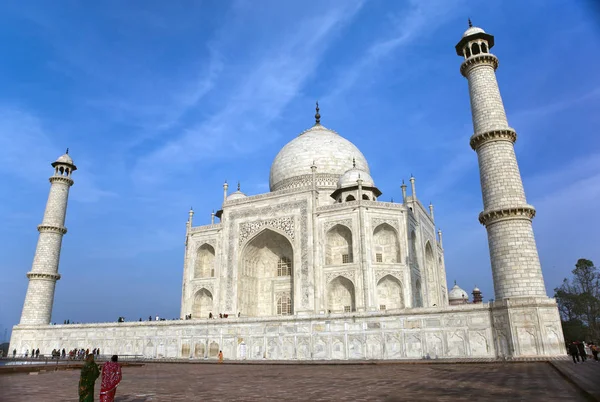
(579, 302)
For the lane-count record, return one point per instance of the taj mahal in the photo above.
(319, 269)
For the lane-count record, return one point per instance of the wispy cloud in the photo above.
(255, 100)
(421, 19)
(26, 150)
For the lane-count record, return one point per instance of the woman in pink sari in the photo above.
(111, 377)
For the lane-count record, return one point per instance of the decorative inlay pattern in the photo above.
(205, 228)
(51, 229)
(300, 207)
(345, 222)
(285, 224)
(42, 275)
(365, 203)
(385, 272)
(525, 212)
(348, 274)
(378, 221)
(305, 180)
(486, 58)
(205, 284)
(507, 134)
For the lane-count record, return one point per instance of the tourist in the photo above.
(26, 353)
(581, 348)
(220, 356)
(239, 314)
(574, 352)
(87, 380)
(64, 353)
(37, 353)
(14, 353)
(111, 377)
(98, 351)
(210, 315)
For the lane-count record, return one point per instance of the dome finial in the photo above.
(354, 162)
(317, 116)
(470, 23)
(67, 151)
(238, 186)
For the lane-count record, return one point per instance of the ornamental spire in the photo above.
(67, 151)
(317, 116)
(470, 23)
(238, 186)
(354, 163)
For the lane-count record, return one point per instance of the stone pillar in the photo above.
(37, 309)
(403, 186)
(506, 215)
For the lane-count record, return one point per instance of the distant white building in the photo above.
(319, 268)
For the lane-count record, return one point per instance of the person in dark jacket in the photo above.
(574, 352)
(581, 348)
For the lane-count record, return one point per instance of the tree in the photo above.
(579, 302)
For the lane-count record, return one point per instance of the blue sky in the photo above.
(160, 102)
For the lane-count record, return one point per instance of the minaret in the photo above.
(506, 215)
(37, 309)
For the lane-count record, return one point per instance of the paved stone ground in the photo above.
(383, 382)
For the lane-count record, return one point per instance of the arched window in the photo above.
(350, 198)
(475, 48)
(284, 305)
(62, 170)
(366, 197)
(484, 48)
(284, 267)
(467, 52)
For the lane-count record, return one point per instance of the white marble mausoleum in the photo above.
(319, 268)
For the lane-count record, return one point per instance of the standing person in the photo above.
(581, 348)
(14, 353)
(574, 352)
(594, 348)
(37, 352)
(87, 380)
(111, 377)
(220, 356)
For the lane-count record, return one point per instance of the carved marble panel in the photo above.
(345, 222)
(285, 224)
(378, 221)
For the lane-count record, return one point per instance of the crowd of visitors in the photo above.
(580, 351)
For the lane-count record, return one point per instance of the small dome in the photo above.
(236, 196)
(456, 293)
(349, 179)
(476, 289)
(65, 159)
(472, 31)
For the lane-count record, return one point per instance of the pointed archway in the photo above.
(203, 304)
(265, 279)
(341, 296)
(390, 293)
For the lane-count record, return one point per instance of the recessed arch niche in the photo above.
(203, 304)
(205, 262)
(341, 295)
(261, 276)
(339, 246)
(386, 244)
(390, 293)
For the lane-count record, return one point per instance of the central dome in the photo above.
(331, 153)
